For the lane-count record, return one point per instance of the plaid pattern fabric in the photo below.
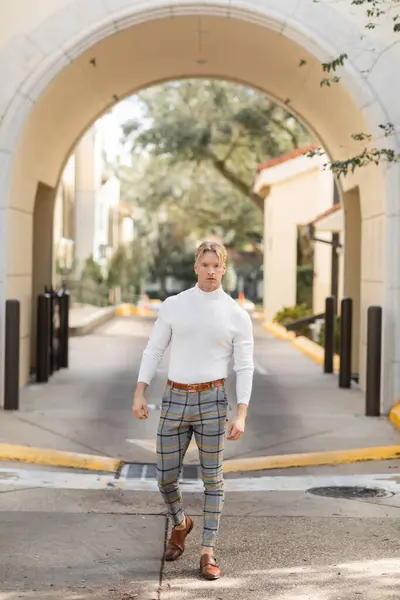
(183, 414)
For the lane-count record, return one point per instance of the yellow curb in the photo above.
(311, 459)
(144, 312)
(307, 347)
(314, 351)
(59, 458)
(279, 331)
(125, 310)
(128, 310)
(394, 416)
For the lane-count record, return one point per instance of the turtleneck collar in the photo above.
(214, 294)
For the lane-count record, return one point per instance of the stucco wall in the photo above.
(294, 201)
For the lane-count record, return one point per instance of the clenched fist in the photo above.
(140, 408)
(236, 428)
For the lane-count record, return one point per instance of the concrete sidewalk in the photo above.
(87, 408)
(84, 319)
(109, 546)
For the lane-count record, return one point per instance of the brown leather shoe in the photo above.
(176, 543)
(209, 568)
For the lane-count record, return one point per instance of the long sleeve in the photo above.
(156, 346)
(243, 348)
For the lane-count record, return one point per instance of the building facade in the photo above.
(89, 218)
(297, 192)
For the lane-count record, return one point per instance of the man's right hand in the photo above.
(140, 408)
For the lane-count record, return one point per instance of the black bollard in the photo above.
(11, 362)
(374, 362)
(56, 314)
(64, 329)
(346, 324)
(52, 359)
(43, 339)
(329, 334)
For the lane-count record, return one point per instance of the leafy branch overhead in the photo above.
(375, 10)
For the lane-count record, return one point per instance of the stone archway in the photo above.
(71, 64)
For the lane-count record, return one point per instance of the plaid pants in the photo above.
(183, 414)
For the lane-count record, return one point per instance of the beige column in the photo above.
(352, 265)
(18, 280)
(3, 262)
(42, 273)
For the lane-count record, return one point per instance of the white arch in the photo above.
(293, 19)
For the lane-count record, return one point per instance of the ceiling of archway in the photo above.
(183, 47)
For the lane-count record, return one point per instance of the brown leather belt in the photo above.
(196, 387)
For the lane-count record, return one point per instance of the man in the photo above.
(205, 328)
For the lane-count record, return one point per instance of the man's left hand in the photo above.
(236, 428)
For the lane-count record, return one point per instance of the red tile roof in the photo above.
(288, 156)
(328, 212)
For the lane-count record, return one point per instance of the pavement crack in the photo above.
(298, 439)
(20, 489)
(62, 435)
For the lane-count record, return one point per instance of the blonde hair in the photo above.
(218, 249)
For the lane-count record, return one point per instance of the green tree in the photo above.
(195, 197)
(213, 124)
(92, 271)
(129, 266)
(170, 254)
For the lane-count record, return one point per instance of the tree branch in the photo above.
(238, 183)
(233, 147)
(283, 127)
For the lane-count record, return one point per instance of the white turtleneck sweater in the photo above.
(205, 330)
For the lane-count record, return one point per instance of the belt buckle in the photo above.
(193, 387)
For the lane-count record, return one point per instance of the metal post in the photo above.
(43, 339)
(52, 359)
(64, 329)
(11, 371)
(374, 361)
(335, 268)
(329, 334)
(346, 325)
(56, 315)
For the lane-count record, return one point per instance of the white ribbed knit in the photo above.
(205, 330)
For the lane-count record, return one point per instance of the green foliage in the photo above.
(64, 271)
(182, 267)
(334, 64)
(305, 285)
(288, 314)
(88, 291)
(208, 138)
(195, 150)
(171, 256)
(328, 82)
(128, 267)
(91, 271)
(375, 11)
(229, 280)
(92, 287)
(321, 338)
